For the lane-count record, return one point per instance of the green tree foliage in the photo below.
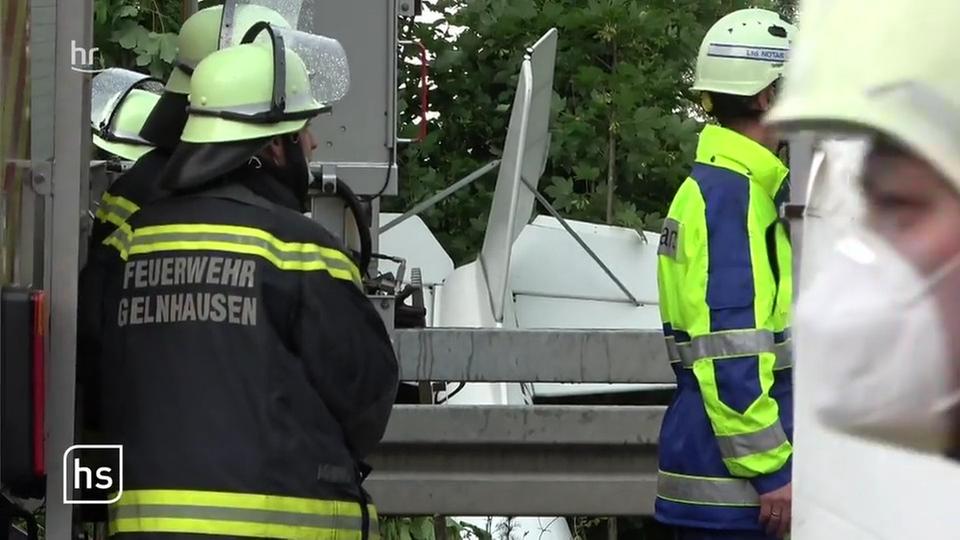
(623, 133)
(138, 34)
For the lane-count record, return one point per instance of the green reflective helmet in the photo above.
(200, 36)
(894, 72)
(243, 96)
(264, 88)
(203, 33)
(743, 53)
(121, 101)
(123, 139)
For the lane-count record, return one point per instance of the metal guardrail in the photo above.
(517, 461)
(496, 355)
(521, 460)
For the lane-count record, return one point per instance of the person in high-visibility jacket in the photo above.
(724, 275)
(245, 372)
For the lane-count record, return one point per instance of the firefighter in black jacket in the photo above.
(245, 372)
(140, 185)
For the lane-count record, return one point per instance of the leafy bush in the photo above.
(138, 34)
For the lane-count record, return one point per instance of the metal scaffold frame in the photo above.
(61, 161)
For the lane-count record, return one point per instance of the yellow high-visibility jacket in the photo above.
(725, 281)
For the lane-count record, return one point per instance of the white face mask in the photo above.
(872, 323)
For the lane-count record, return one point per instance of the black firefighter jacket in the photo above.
(139, 186)
(243, 370)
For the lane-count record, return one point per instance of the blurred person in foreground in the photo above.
(880, 316)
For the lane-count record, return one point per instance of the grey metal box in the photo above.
(359, 137)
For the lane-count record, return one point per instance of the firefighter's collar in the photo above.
(722, 147)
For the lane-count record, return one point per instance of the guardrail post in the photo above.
(440, 527)
(612, 528)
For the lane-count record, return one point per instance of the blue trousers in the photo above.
(682, 533)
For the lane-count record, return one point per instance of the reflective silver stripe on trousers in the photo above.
(214, 513)
(738, 446)
(286, 256)
(727, 344)
(730, 344)
(700, 490)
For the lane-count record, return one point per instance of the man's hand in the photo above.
(775, 511)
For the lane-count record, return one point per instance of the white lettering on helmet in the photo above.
(766, 54)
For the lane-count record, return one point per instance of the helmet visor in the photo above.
(310, 73)
(868, 185)
(324, 58)
(288, 9)
(237, 15)
(108, 91)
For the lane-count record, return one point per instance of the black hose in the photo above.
(363, 470)
(363, 226)
(460, 386)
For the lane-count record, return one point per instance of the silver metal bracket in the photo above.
(40, 180)
(363, 178)
(385, 307)
(328, 178)
(406, 8)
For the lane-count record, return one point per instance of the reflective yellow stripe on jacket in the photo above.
(238, 514)
(294, 256)
(115, 209)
